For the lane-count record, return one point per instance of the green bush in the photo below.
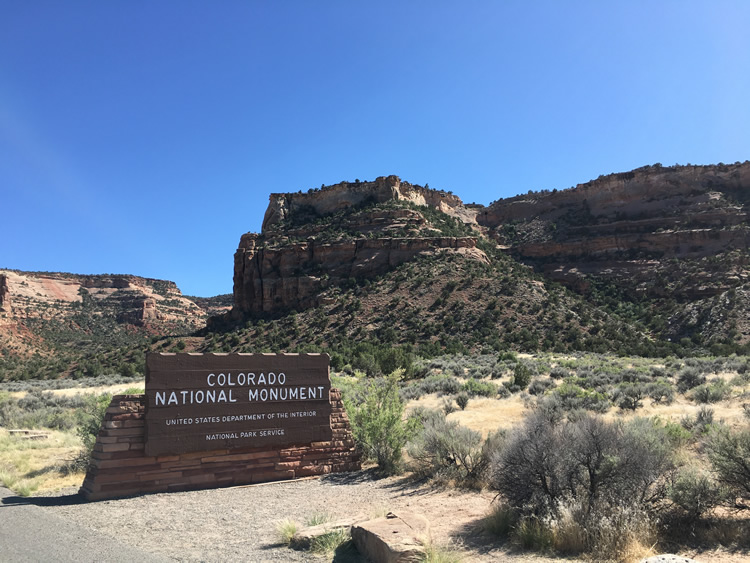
(729, 452)
(660, 391)
(712, 392)
(378, 427)
(462, 400)
(629, 395)
(448, 451)
(695, 492)
(701, 422)
(571, 397)
(480, 388)
(521, 375)
(539, 385)
(90, 418)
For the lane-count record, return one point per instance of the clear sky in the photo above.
(143, 137)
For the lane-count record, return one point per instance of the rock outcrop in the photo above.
(131, 299)
(632, 228)
(393, 538)
(4, 294)
(346, 195)
(300, 253)
(269, 279)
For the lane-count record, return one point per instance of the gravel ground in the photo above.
(240, 523)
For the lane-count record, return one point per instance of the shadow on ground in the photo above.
(65, 500)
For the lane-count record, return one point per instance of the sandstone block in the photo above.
(394, 538)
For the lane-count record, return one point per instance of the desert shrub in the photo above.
(678, 435)
(660, 391)
(573, 397)
(539, 385)
(378, 427)
(532, 533)
(701, 422)
(631, 376)
(695, 492)
(90, 418)
(462, 400)
(441, 384)
(39, 409)
(545, 461)
(480, 388)
(448, 451)
(424, 414)
(448, 405)
(729, 453)
(605, 532)
(712, 392)
(559, 373)
(629, 395)
(501, 520)
(689, 377)
(521, 375)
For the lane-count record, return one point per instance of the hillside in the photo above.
(52, 323)
(649, 262)
(671, 241)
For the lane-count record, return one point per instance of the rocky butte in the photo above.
(675, 235)
(324, 237)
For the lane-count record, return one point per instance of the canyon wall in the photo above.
(269, 279)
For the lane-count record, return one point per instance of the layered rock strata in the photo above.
(302, 251)
(634, 227)
(346, 195)
(269, 279)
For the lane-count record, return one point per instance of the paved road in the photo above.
(29, 533)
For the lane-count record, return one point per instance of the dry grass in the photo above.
(487, 415)
(34, 466)
(111, 389)
(482, 414)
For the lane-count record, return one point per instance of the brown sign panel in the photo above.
(200, 402)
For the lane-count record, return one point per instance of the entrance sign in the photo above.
(197, 402)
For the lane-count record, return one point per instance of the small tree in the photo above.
(729, 452)
(90, 418)
(378, 425)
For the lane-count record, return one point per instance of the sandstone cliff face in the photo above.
(130, 299)
(4, 294)
(347, 195)
(631, 227)
(271, 279)
(668, 234)
(296, 256)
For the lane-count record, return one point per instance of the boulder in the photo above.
(394, 538)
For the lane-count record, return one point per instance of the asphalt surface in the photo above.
(29, 533)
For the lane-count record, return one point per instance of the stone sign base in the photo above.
(120, 467)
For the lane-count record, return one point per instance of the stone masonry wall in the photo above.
(119, 466)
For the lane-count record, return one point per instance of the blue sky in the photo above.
(144, 137)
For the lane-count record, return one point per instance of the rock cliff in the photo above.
(347, 231)
(4, 294)
(666, 236)
(347, 195)
(635, 228)
(271, 279)
(56, 306)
